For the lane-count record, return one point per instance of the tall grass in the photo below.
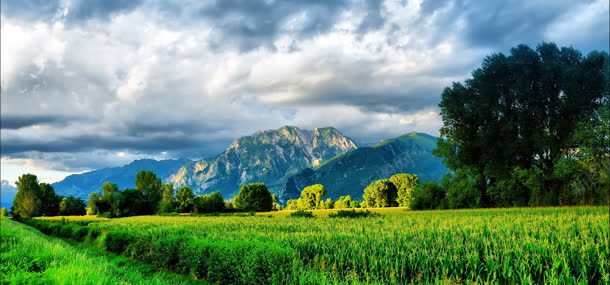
(29, 257)
(505, 246)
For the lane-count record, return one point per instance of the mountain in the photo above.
(80, 185)
(7, 194)
(350, 173)
(268, 156)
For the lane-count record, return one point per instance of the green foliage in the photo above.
(109, 204)
(3, 212)
(209, 203)
(405, 183)
(27, 201)
(461, 188)
(521, 111)
(167, 199)
(428, 195)
(351, 214)
(133, 203)
(185, 200)
(301, 214)
(72, 206)
(29, 257)
(49, 200)
(94, 198)
(148, 183)
(344, 202)
(311, 196)
(380, 193)
(253, 197)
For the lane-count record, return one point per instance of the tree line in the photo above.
(39, 199)
(149, 197)
(396, 191)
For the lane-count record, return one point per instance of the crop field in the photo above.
(506, 246)
(29, 257)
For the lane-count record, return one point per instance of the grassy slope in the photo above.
(29, 257)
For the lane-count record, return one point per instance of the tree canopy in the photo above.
(254, 197)
(520, 112)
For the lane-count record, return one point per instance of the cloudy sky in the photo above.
(96, 83)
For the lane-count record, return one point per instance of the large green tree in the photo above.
(185, 199)
(380, 193)
(254, 197)
(27, 201)
(49, 200)
(405, 184)
(311, 197)
(519, 111)
(150, 185)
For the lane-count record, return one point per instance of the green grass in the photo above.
(29, 257)
(504, 246)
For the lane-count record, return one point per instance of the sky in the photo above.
(95, 83)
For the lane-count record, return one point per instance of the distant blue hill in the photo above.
(80, 185)
(7, 192)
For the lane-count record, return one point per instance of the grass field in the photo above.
(29, 257)
(506, 246)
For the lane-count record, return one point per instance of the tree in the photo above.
(94, 198)
(49, 200)
(311, 197)
(27, 201)
(405, 183)
(428, 195)
(148, 183)
(133, 203)
(72, 206)
(344, 202)
(109, 204)
(254, 197)
(381, 193)
(519, 111)
(185, 199)
(209, 203)
(167, 199)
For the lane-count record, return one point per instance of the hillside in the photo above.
(349, 173)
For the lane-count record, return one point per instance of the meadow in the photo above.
(517, 245)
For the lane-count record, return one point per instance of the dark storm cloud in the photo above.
(18, 122)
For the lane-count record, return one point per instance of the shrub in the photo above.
(353, 214)
(301, 214)
(381, 193)
(117, 241)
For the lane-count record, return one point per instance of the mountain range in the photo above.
(286, 159)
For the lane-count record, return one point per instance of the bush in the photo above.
(353, 214)
(301, 214)
(117, 241)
